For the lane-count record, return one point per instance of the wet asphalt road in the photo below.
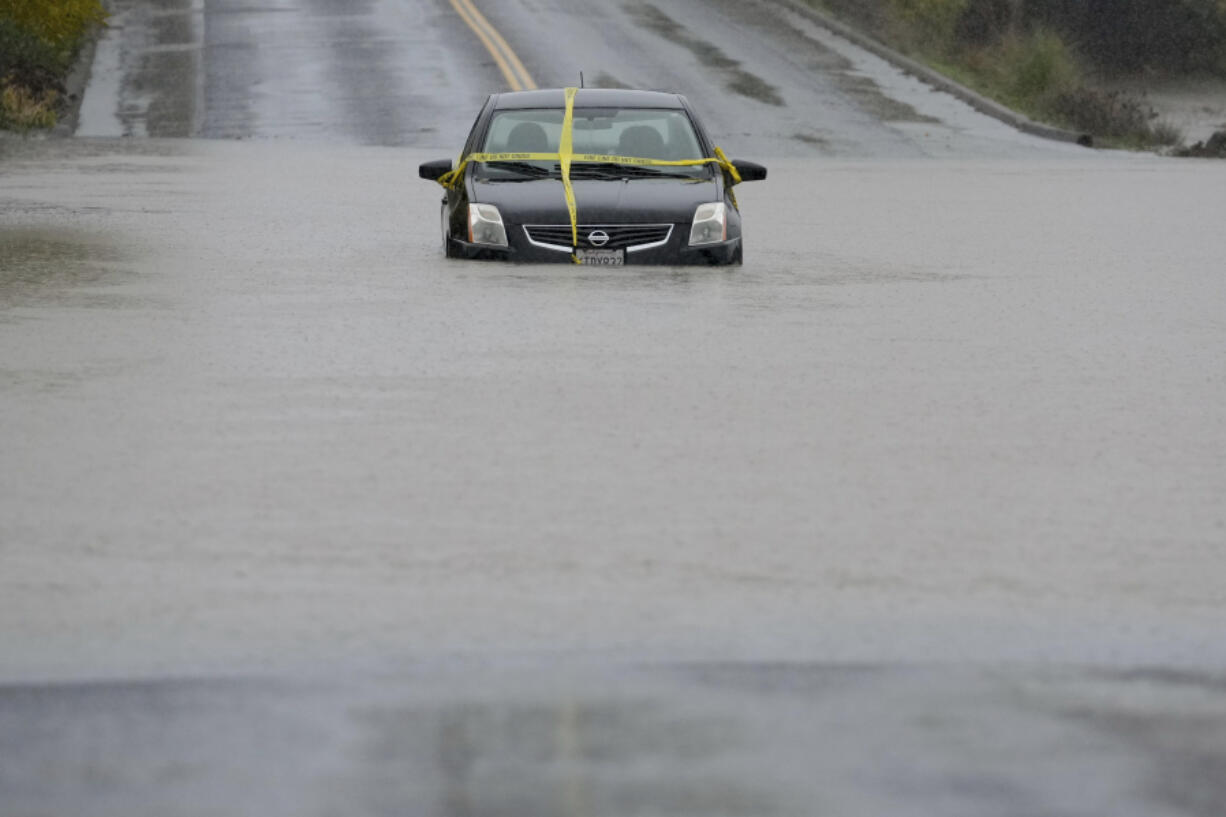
(388, 72)
(917, 513)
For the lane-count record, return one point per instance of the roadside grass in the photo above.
(21, 110)
(1037, 74)
(1030, 68)
(39, 43)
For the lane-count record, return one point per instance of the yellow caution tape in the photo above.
(566, 156)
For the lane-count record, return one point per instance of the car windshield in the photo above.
(646, 133)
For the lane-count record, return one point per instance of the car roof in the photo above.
(588, 98)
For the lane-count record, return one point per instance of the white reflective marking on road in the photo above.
(99, 115)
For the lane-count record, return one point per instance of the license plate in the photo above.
(602, 258)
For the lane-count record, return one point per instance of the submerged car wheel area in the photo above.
(591, 176)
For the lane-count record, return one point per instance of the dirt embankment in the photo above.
(1196, 106)
(1212, 148)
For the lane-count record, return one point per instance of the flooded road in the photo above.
(918, 512)
(969, 427)
(229, 363)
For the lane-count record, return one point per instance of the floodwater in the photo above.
(949, 418)
(962, 410)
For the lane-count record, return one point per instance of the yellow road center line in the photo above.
(508, 62)
(489, 45)
(525, 79)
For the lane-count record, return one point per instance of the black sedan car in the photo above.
(592, 176)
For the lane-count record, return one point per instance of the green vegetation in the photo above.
(926, 23)
(39, 42)
(1044, 57)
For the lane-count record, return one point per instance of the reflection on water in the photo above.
(63, 266)
(15, 151)
(563, 757)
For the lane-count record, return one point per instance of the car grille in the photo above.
(621, 236)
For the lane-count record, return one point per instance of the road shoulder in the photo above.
(937, 79)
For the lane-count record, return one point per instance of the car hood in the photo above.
(639, 201)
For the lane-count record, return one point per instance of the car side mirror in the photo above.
(434, 170)
(750, 171)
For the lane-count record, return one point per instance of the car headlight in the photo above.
(485, 225)
(710, 224)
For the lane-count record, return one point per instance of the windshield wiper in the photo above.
(523, 168)
(616, 170)
(527, 171)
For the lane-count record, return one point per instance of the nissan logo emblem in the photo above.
(598, 238)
